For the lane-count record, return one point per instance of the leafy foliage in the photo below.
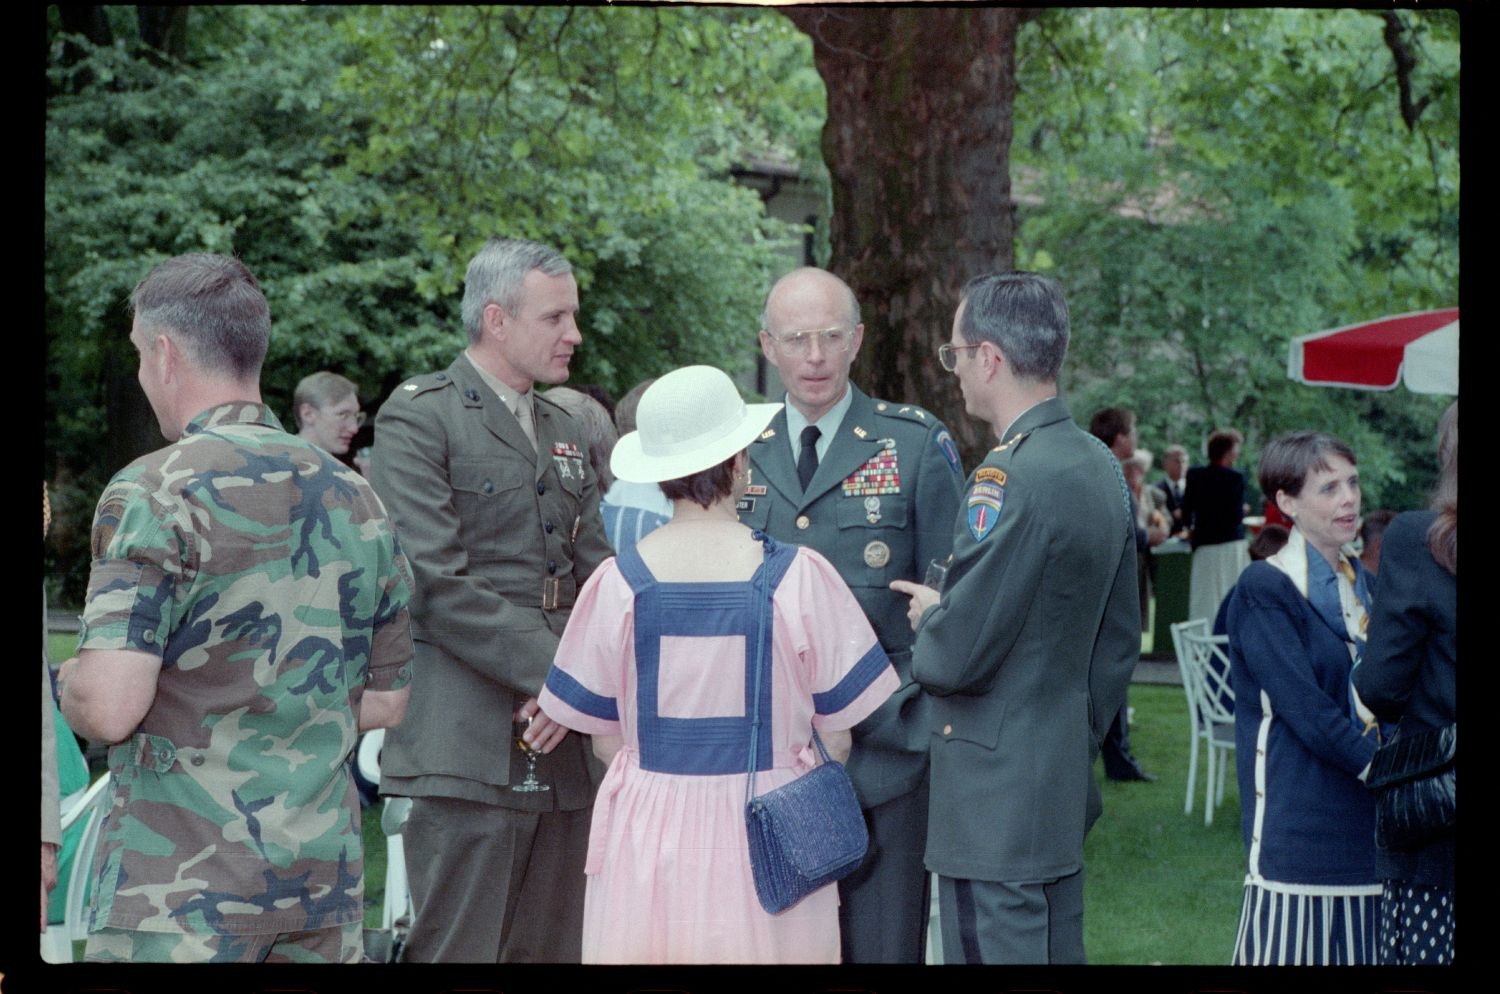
(355, 158)
(1210, 183)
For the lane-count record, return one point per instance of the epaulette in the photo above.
(423, 384)
(907, 412)
(1014, 442)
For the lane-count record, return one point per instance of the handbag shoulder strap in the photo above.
(778, 560)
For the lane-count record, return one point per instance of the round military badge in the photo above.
(877, 554)
(872, 510)
(804, 522)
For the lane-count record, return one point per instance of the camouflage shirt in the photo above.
(267, 577)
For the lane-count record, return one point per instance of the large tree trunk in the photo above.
(918, 145)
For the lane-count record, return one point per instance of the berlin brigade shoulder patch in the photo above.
(985, 500)
(950, 451)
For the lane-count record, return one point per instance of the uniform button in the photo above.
(149, 636)
(541, 488)
(488, 487)
(472, 394)
(803, 522)
(441, 376)
(197, 760)
(551, 566)
(547, 528)
(164, 754)
(947, 729)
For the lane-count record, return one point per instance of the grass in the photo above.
(1160, 886)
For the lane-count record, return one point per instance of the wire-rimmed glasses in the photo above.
(947, 354)
(799, 343)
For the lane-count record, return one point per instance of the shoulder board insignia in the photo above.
(408, 386)
(990, 474)
(1013, 440)
(907, 412)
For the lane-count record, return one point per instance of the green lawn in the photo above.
(1160, 886)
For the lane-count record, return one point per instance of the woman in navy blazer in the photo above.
(1410, 675)
(1296, 622)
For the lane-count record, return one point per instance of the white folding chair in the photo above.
(1207, 657)
(88, 807)
(396, 913)
(1189, 691)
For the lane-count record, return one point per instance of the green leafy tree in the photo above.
(1209, 184)
(355, 158)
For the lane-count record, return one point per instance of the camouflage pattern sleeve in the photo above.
(139, 556)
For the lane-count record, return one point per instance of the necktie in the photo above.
(807, 462)
(524, 415)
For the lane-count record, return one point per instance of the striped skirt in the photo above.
(1305, 926)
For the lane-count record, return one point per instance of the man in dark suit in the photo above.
(1031, 643)
(878, 500)
(1172, 486)
(1115, 427)
(498, 512)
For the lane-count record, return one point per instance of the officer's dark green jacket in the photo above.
(880, 508)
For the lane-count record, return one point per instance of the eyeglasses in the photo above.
(355, 418)
(946, 354)
(799, 343)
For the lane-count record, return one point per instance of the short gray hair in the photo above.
(1024, 316)
(851, 300)
(496, 273)
(214, 309)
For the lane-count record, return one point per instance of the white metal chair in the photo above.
(86, 806)
(397, 912)
(1203, 661)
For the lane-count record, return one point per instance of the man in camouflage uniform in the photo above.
(246, 618)
(879, 499)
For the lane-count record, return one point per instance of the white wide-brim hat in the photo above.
(690, 420)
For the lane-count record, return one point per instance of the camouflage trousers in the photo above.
(339, 944)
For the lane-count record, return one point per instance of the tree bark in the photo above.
(917, 142)
(164, 29)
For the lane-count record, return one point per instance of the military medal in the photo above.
(569, 459)
(872, 512)
(877, 554)
(879, 474)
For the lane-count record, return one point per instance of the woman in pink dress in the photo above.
(658, 664)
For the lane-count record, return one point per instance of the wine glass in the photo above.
(531, 784)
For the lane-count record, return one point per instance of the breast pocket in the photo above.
(494, 509)
(874, 540)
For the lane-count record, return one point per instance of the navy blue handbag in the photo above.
(805, 834)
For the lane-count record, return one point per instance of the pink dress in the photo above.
(670, 668)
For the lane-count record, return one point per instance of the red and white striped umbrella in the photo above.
(1419, 349)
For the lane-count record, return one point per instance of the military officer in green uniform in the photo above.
(874, 487)
(498, 510)
(1031, 643)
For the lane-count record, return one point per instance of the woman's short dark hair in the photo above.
(703, 487)
(1268, 542)
(1220, 442)
(1288, 459)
